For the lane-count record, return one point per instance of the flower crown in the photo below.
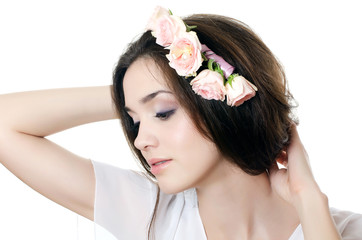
(186, 57)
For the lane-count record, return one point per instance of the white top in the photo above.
(125, 200)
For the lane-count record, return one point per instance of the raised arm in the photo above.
(27, 118)
(296, 185)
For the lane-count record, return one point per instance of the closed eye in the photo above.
(165, 115)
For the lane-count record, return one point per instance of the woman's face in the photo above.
(165, 131)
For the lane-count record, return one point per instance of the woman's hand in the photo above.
(296, 178)
(296, 185)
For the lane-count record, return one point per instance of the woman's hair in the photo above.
(251, 135)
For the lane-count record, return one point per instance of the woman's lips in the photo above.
(158, 165)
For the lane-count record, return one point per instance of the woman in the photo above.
(208, 118)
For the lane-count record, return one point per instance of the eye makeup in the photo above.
(161, 107)
(164, 115)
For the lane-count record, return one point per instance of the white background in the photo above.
(55, 44)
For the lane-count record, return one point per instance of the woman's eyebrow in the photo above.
(148, 98)
(151, 96)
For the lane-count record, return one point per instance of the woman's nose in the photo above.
(146, 138)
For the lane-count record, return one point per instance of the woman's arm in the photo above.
(315, 216)
(28, 117)
(296, 185)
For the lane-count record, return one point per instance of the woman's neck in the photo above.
(235, 205)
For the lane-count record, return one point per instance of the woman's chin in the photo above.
(169, 188)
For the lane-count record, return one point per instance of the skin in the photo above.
(232, 204)
(168, 136)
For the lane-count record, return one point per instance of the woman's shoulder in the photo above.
(348, 223)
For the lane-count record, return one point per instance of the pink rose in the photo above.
(167, 28)
(185, 54)
(209, 85)
(239, 91)
(157, 14)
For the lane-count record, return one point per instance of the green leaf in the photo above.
(189, 28)
(220, 71)
(204, 57)
(210, 64)
(231, 79)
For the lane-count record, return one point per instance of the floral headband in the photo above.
(186, 57)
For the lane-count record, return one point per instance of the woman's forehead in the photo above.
(142, 78)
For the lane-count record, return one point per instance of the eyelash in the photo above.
(165, 115)
(161, 115)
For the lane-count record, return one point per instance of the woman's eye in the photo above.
(165, 115)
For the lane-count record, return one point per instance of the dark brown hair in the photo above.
(251, 135)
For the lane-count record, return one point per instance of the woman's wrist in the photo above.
(309, 199)
(309, 195)
(314, 214)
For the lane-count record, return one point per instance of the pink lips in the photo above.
(157, 165)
